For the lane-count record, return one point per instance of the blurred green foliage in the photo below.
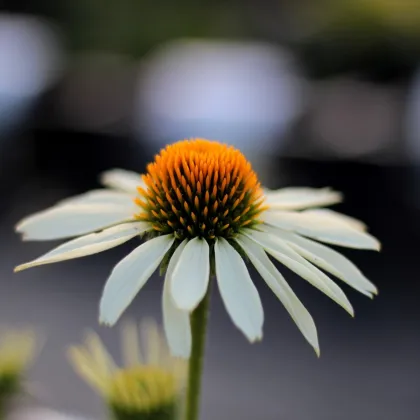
(379, 39)
(133, 27)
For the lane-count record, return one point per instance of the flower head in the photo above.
(17, 350)
(146, 387)
(202, 209)
(200, 189)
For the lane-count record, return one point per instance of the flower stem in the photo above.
(195, 369)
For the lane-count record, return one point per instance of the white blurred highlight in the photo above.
(245, 94)
(29, 62)
(42, 414)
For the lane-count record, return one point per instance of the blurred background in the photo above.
(315, 92)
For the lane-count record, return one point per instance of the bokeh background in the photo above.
(315, 92)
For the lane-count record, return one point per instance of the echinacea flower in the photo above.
(150, 383)
(17, 350)
(202, 210)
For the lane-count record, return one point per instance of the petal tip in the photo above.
(107, 322)
(25, 266)
(255, 338)
(26, 237)
(19, 268)
(20, 226)
(103, 176)
(372, 293)
(339, 196)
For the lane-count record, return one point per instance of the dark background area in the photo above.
(352, 125)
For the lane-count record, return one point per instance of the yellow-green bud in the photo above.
(146, 388)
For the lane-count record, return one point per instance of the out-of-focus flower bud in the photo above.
(146, 387)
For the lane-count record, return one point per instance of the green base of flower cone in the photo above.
(168, 412)
(9, 387)
(195, 369)
(9, 384)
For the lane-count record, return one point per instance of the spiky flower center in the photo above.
(200, 188)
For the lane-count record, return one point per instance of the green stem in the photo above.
(195, 368)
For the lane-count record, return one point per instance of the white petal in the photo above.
(129, 276)
(301, 198)
(282, 290)
(71, 220)
(190, 277)
(176, 322)
(321, 227)
(122, 180)
(353, 222)
(239, 294)
(329, 260)
(89, 244)
(291, 259)
(103, 196)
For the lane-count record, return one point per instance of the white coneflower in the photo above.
(202, 209)
(148, 386)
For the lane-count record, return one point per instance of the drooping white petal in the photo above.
(101, 196)
(176, 322)
(281, 289)
(321, 227)
(190, 276)
(327, 259)
(71, 220)
(122, 180)
(340, 217)
(129, 276)
(301, 198)
(90, 244)
(239, 294)
(291, 259)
